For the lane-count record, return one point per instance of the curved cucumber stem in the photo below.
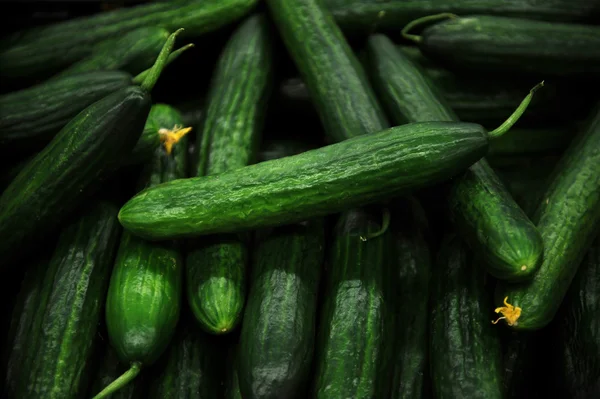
(120, 382)
(514, 117)
(172, 57)
(161, 61)
(423, 20)
(384, 226)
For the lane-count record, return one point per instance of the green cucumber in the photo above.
(356, 314)
(337, 83)
(132, 53)
(51, 357)
(231, 133)
(517, 45)
(466, 356)
(578, 338)
(276, 343)
(365, 16)
(110, 368)
(412, 257)
(84, 153)
(144, 294)
(568, 219)
(482, 208)
(47, 49)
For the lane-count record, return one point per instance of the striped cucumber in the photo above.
(482, 208)
(568, 219)
(240, 88)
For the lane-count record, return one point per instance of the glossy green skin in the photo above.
(240, 88)
(568, 219)
(60, 339)
(365, 16)
(111, 368)
(31, 117)
(579, 336)
(144, 295)
(482, 209)
(356, 316)
(134, 52)
(84, 153)
(337, 83)
(277, 339)
(490, 43)
(48, 49)
(465, 354)
(326, 180)
(412, 263)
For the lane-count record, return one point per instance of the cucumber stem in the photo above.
(514, 117)
(384, 226)
(172, 57)
(161, 61)
(422, 20)
(171, 137)
(120, 382)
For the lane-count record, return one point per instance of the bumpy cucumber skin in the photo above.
(85, 152)
(277, 338)
(315, 183)
(47, 49)
(337, 83)
(483, 210)
(110, 369)
(61, 339)
(491, 43)
(466, 358)
(356, 314)
(30, 118)
(568, 219)
(240, 88)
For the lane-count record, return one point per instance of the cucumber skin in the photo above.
(339, 176)
(240, 88)
(26, 124)
(336, 81)
(47, 49)
(277, 337)
(481, 207)
(466, 358)
(568, 219)
(58, 350)
(85, 152)
(356, 314)
(491, 43)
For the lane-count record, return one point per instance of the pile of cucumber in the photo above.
(303, 199)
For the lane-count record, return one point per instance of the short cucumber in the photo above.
(466, 357)
(84, 153)
(481, 207)
(231, 132)
(356, 314)
(517, 45)
(54, 358)
(568, 219)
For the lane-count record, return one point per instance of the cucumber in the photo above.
(336, 81)
(47, 49)
(356, 313)
(110, 368)
(568, 219)
(411, 304)
(133, 53)
(240, 88)
(517, 45)
(466, 356)
(51, 356)
(578, 338)
(481, 207)
(85, 152)
(144, 294)
(365, 16)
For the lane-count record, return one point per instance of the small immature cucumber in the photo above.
(568, 219)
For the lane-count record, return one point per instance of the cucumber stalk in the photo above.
(172, 57)
(384, 226)
(514, 117)
(423, 20)
(120, 382)
(160, 63)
